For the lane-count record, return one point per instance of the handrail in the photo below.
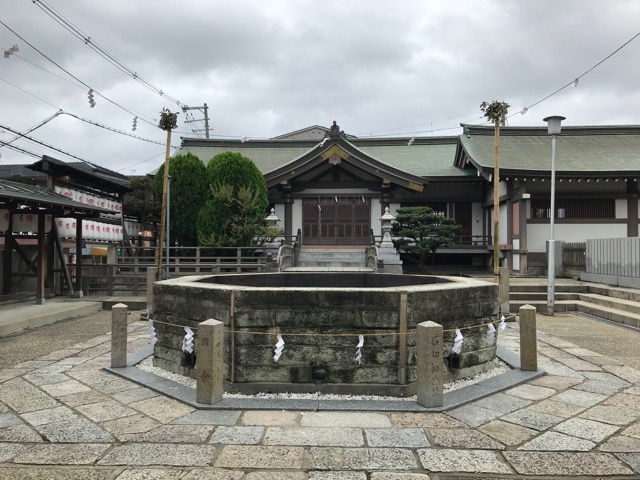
(297, 245)
(371, 257)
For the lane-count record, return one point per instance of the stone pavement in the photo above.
(63, 417)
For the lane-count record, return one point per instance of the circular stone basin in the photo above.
(320, 316)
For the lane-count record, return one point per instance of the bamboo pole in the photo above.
(496, 202)
(163, 216)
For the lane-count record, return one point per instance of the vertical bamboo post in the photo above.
(496, 203)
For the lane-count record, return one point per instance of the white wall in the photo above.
(621, 208)
(538, 234)
(296, 216)
(375, 216)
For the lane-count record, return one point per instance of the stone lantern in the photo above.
(385, 221)
(388, 257)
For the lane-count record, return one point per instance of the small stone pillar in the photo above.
(151, 278)
(528, 339)
(210, 362)
(429, 366)
(119, 336)
(504, 290)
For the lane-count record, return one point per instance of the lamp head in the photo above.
(553, 124)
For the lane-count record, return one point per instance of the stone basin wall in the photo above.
(310, 311)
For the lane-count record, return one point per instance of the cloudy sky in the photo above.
(410, 67)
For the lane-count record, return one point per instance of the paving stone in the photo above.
(473, 461)
(159, 454)
(507, 433)
(502, 403)
(9, 420)
(473, 415)
(19, 433)
(103, 411)
(611, 414)
(250, 456)
(581, 352)
(126, 428)
(149, 474)
(345, 419)
(462, 438)
(398, 476)
(9, 373)
(135, 395)
(175, 434)
(83, 398)
(587, 429)
(425, 420)
(237, 435)
(51, 473)
(621, 443)
(556, 464)
(213, 474)
(77, 430)
(50, 415)
(3, 408)
(33, 364)
(344, 475)
(397, 437)
(579, 365)
(114, 386)
(10, 450)
(624, 371)
(557, 369)
(61, 454)
(209, 417)
(276, 476)
(606, 377)
(632, 431)
(24, 397)
(579, 398)
(554, 441)
(624, 400)
(67, 387)
(635, 390)
(603, 360)
(321, 437)
(599, 386)
(559, 409)
(40, 378)
(632, 459)
(532, 419)
(530, 392)
(362, 458)
(162, 409)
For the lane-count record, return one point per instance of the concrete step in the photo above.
(612, 314)
(27, 316)
(542, 287)
(526, 296)
(616, 292)
(609, 302)
(329, 269)
(343, 258)
(541, 305)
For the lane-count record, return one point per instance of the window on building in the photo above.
(575, 208)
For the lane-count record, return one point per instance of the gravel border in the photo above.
(147, 365)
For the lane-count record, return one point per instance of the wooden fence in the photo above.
(127, 274)
(573, 257)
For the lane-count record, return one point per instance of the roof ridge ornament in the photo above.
(335, 132)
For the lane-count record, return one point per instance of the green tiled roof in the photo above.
(434, 160)
(265, 158)
(579, 149)
(424, 158)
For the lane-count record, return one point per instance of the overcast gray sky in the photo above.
(265, 68)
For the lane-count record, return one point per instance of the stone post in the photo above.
(151, 278)
(210, 362)
(528, 339)
(119, 336)
(504, 290)
(430, 367)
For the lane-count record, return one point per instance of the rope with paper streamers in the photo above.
(501, 327)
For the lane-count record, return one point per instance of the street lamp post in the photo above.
(553, 129)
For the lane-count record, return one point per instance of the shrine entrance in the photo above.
(336, 220)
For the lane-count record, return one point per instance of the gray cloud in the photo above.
(266, 68)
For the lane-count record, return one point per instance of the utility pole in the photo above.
(168, 121)
(205, 111)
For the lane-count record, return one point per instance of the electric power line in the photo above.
(79, 34)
